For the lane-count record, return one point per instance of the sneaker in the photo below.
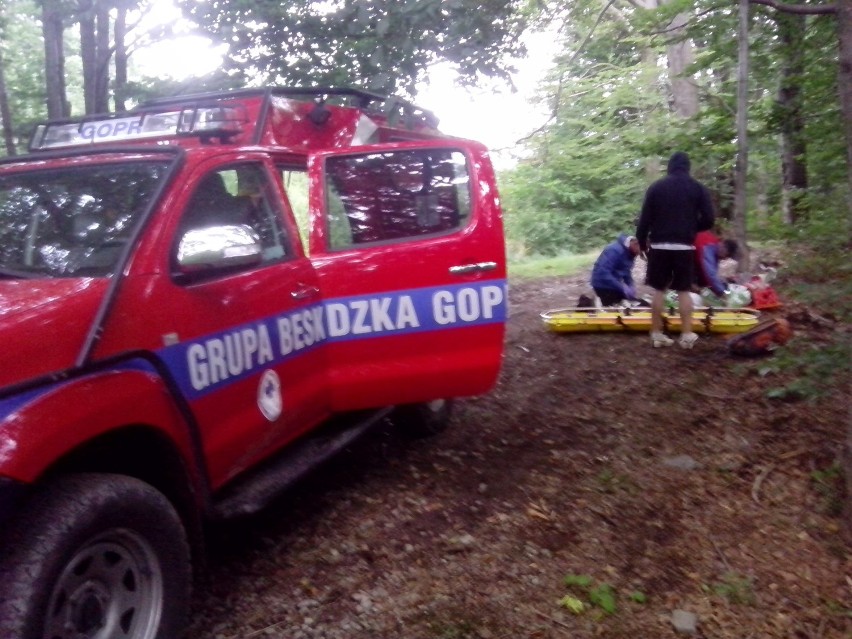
(687, 340)
(660, 339)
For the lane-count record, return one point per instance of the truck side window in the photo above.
(295, 181)
(240, 195)
(394, 196)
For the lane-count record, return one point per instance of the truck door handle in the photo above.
(479, 267)
(304, 293)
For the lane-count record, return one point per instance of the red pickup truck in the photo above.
(200, 300)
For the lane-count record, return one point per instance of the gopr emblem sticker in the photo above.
(269, 399)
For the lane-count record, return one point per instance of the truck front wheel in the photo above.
(95, 556)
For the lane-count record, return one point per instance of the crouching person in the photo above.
(612, 274)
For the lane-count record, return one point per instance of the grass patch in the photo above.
(820, 278)
(539, 266)
(609, 482)
(813, 371)
(817, 274)
(828, 483)
(586, 594)
(736, 588)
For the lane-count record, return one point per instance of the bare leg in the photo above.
(687, 337)
(658, 301)
(685, 306)
(658, 338)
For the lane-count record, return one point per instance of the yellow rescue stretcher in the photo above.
(704, 320)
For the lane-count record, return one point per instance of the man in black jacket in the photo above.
(676, 207)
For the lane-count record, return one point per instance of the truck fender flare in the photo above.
(43, 423)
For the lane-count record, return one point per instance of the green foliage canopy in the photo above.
(381, 45)
(612, 124)
(23, 62)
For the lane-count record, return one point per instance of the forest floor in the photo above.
(639, 486)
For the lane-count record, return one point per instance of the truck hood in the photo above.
(43, 324)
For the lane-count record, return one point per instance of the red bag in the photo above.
(763, 338)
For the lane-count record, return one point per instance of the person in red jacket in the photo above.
(709, 252)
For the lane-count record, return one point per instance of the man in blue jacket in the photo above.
(612, 276)
(675, 209)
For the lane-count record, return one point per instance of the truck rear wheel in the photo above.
(423, 420)
(95, 556)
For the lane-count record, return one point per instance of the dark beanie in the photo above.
(679, 161)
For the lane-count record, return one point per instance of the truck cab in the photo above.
(201, 300)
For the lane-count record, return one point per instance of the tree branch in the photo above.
(802, 9)
(590, 33)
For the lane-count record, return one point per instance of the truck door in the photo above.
(247, 357)
(407, 243)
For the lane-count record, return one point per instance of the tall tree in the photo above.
(680, 58)
(103, 55)
(96, 51)
(88, 52)
(5, 111)
(104, 46)
(843, 11)
(121, 55)
(791, 32)
(52, 14)
(741, 168)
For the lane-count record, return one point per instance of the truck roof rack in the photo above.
(243, 113)
(392, 108)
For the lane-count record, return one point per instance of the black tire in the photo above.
(95, 556)
(423, 420)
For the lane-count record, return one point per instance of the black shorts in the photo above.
(669, 269)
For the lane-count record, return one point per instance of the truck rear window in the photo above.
(398, 195)
(73, 221)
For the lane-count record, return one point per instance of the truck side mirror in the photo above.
(213, 249)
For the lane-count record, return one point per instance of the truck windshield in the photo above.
(72, 221)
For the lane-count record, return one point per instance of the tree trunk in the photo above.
(54, 60)
(761, 198)
(120, 92)
(680, 56)
(104, 55)
(88, 52)
(741, 169)
(791, 30)
(5, 114)
(653, 169)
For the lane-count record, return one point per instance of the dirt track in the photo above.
(665, 476)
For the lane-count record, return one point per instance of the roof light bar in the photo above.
(213, 121)
(205, 122)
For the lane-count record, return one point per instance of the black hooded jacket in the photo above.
(676, 207)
